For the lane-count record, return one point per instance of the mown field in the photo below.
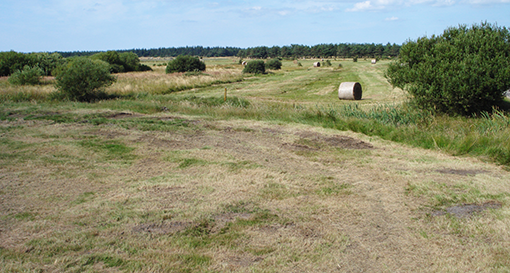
(280, 177)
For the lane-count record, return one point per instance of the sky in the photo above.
(100, 25)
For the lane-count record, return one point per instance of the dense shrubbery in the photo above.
(256, 67)
(274, 64)
(11, 62)
(463, 71)
(121, 62)
(185, 64)
(27, 76)
(82, 79)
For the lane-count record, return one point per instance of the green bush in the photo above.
(12, 61)
(144, 67)
(256, 67)
(274, 64)
(185, 63)
(130, 61)
(463, 71)
(83, 79)
(27, 76)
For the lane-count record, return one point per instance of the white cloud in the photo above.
(487, 1)
(372, 5)
(362, 6)
(392, 18)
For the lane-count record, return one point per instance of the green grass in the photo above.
(304, 95)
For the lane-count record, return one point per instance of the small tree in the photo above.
(463, 71)
(256, 67)
(274, 64)
(83, 79)
(29, 75)
(185, 63)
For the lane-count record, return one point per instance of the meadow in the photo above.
(277, 176)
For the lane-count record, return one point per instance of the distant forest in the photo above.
(262, 52)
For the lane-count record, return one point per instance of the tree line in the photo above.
(261, 52)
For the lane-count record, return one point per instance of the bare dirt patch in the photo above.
(461, 172)
(122, 115)
(468, 210)
(162, 229)
(339, 141)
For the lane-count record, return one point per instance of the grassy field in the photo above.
(280, 177)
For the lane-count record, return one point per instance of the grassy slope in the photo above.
(129, 185)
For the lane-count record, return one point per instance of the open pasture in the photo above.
(280, 177)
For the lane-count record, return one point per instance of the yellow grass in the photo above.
(330, 209)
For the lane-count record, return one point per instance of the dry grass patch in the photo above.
(157, 82)
(237, 195)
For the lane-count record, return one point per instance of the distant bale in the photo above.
(507, 94)
(374, 61)
(245, 62)
(317, 64)
(349, 91)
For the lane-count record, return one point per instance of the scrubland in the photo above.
(277, 176)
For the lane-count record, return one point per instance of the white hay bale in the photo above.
(316, 64)
(374, 61)
(349, 91)
(507, 94)
(245, 62)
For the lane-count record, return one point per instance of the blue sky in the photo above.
(83, 25)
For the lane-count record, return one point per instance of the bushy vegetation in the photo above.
(463, 71)
(11, 61)
(255, 67)
(185, 64)
(121, 62)
(274, 64)
(27, 76)
(83, 79)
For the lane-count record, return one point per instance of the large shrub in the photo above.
(27, 76)
(185, 63)
(274, 64)
(463, 71)
(256, 67)
(113, 58)
(83, 79)
(12, 61)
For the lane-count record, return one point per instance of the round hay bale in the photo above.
(317, 64)
(349, 91)
(374, 61)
